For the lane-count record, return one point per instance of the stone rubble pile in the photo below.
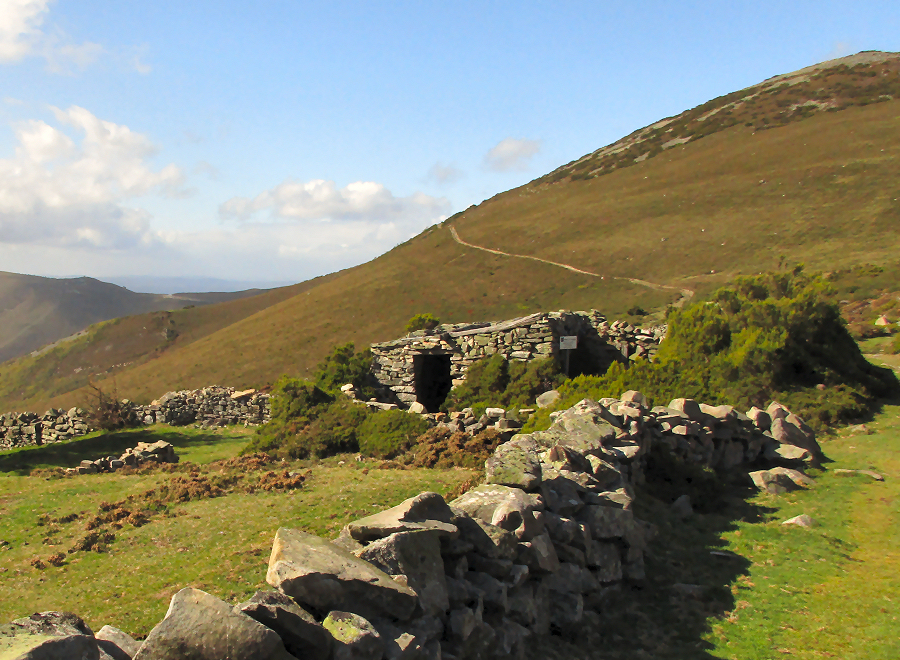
(19, 429)
(536, 549)
(145, 452)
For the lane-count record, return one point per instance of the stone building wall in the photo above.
(426, 364)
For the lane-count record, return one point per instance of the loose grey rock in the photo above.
(424, 511)
(109, 637)
(682, 507)
(508, 508)
(199, 626)
(513, 465)
(802, 520)
(417, 555)
(48, 636)
(301, 634)
(547, 399)
(318, 573)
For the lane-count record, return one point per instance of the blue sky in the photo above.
(276, 141)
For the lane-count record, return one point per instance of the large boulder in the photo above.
(324, 576)
(417, 555)
(486, 539)
(585, 427)
(424, 511)
(48, 636)
(199, 626)
(792, 432)
(511, 509)
(301, 634)
(515, 463)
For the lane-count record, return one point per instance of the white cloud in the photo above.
(20, 22)
(444, 174)
(22, 35)
(65, 192)
(511, 154)
(323, 200)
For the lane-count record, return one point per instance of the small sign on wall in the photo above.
(568, 342)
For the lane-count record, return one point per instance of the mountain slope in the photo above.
(35, 311)
(821, 189)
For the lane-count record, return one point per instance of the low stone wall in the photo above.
(208, 407)
(537, 549)
(21, 429)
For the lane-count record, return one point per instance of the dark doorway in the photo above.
(431, 375)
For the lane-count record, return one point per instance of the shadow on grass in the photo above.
(689, 575)
(70, 453)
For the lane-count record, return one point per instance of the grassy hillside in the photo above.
(36, 311)
(107, 348)
(821, 189)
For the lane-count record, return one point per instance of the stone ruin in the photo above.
(144, 452)
(538, 549)
(423, 367)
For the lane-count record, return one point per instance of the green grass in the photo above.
(220, 545)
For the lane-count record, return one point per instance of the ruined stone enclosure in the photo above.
(426, 364)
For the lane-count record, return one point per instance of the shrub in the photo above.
(294, 404)
(105, 410)
(345, 366)
(388, 433)
(768, 337)
(422, 322)
(495, 381)
(334, 431)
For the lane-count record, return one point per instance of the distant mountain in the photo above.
(36, 311)
(150, 284)
(803, 167)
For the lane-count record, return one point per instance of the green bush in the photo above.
(345, 366)
(496, 381)
(422, 322)
(773, 336)
(334, 431)
(387, 433)
(295, 403)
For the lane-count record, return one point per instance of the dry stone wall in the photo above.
(208, 407)
(536, 550)
(407, 367)
(21, 429)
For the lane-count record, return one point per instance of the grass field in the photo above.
(219, 544)
(771, 591)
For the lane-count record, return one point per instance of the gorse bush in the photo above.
(496, 381)
(388, 433)
(773, 336)
(422, 322)
(345, 366)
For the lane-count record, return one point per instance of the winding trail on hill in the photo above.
(686, 294)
